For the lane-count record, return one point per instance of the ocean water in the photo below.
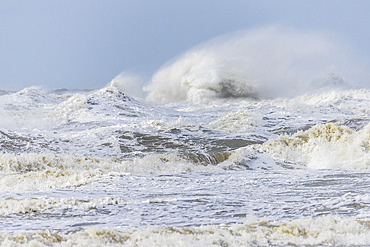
(211, 157)
(101, 168)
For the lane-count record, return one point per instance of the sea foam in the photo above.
(323, 231)
(324, 146)
(32, 172)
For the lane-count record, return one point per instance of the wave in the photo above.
(36, 108)
(321, 231)
(34, 172)
(109, 102)
(324, 146)
(261, 63)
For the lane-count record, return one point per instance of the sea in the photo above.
(210, 156)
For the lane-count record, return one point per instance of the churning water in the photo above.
(250, 148)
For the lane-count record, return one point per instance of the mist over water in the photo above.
(130, 83)
(260, 63)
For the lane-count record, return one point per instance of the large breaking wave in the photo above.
(260, 63)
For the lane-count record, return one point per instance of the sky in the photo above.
(84, 44)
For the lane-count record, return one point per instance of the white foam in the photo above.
(327, 230)
(11, 206)
(333, 97)
(26, 109)
(238, 121)
(30, 172)
(324, 146)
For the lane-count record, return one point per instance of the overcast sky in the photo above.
(86, 43)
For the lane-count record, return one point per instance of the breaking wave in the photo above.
(324, 146)
(31, 172)
(261, 63)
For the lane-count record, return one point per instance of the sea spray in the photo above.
(129, 83)
(259, 63)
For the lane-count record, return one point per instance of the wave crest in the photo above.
(324, 146)
(261, 63)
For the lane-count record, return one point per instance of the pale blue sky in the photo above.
(86, 43)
